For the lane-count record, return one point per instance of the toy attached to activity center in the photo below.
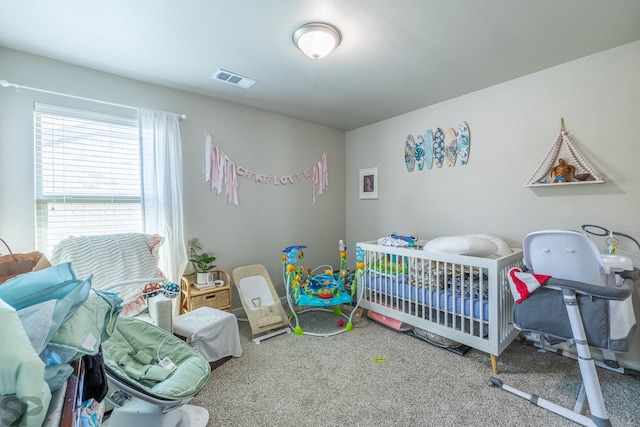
(320, 288)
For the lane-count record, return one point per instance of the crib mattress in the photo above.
(441, 299)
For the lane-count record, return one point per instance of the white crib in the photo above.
(463, 298)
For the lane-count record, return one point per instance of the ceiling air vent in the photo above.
(233, 79)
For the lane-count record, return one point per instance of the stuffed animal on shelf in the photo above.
(563, 172)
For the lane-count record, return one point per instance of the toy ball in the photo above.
(171, 290)
(151, 290)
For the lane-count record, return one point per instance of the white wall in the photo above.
(512, 127)
(268, 218)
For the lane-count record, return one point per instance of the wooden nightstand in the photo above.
(218, 297)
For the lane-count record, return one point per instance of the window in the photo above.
(87, 174)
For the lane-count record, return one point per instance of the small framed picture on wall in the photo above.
(369, 183)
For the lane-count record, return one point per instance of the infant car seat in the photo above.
(155, 374)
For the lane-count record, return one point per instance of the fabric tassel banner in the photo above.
(220, 172)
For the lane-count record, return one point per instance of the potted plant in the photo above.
(202, 263)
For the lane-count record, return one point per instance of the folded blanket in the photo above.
(390, 241)
(113, 258)
(524, 284)
(91, 324)
(24, 392)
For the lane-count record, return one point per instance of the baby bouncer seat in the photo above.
(585, 299)
(261, 302)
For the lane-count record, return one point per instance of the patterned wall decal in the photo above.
(438, 148)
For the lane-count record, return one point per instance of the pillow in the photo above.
(462, 245)
(14, 264)
(30, 288)
(38, 286)
(503, 247)
(43, 263)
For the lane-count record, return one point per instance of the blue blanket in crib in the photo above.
(448, 299)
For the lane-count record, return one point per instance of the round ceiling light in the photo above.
(316, 39)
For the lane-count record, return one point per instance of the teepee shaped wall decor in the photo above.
(558, 171)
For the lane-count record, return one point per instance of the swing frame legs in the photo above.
(590, 389)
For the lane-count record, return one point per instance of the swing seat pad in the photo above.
(134, 338)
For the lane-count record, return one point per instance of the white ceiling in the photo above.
(396, 55)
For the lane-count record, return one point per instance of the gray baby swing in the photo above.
(151, 392)
(152, 374)
(586, 301)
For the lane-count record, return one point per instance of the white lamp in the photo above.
(316, 39)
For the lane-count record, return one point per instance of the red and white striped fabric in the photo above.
(523, 284)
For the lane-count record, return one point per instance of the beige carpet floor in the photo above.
(375, 376)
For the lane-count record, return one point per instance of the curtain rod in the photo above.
(5, 83)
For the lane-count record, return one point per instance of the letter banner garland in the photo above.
(220, 171)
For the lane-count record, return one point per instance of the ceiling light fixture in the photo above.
(316, 39)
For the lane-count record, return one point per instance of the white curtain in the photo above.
(161, 163)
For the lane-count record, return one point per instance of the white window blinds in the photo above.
(87, 174)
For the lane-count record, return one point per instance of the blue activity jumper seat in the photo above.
(319, 289)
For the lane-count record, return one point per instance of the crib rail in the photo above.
(463, 298)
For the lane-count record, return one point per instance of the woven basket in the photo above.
(216, 300)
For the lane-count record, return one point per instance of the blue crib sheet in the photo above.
(441, 299)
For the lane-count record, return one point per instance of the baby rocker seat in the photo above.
(596, 294)
(260, 302)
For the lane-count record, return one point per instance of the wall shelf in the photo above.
(578, 164)
(562, 184)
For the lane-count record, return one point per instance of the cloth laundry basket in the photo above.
(212, 333)
(608, 324)
(569, 257)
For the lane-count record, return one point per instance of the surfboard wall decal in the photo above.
(409, 153)
(419, 152)
(428, 148)
(464, 142)
(438, 147)
(450, 147)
